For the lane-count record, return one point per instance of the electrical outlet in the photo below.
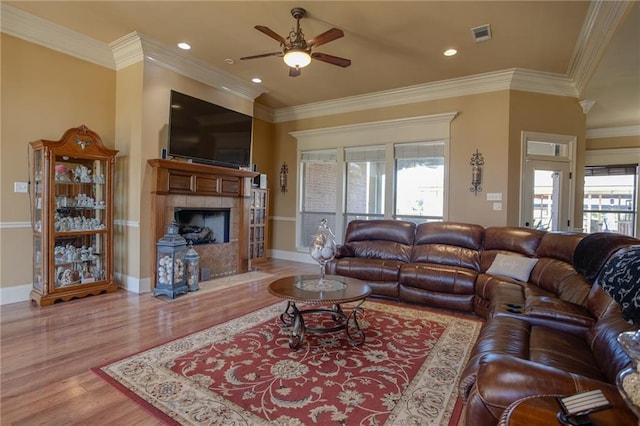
(497, 206)
(20, 187)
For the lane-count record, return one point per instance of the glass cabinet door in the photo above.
(36, 207)
(80, 229)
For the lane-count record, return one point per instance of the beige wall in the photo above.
(44, 93)
(613, 142)
(535, 112)
(481, 122)
(142, 121)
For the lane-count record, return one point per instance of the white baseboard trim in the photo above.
(20, 293)
(132, 284)
(294, 256)
(14, 294)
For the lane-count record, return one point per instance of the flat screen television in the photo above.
(207, 133)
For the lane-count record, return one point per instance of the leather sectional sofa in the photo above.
(550, 328)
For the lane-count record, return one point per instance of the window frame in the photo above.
(389, 132)
(612, 157)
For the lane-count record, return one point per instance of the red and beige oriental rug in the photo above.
(242, 372)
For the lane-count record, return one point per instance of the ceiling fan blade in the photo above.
(268, 31)
(325, 37)
(330, 59)
(294, 72)
(264, 55)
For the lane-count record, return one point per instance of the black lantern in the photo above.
(171, 274)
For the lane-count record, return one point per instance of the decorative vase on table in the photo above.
(323, 247)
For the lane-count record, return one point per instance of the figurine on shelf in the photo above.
(82, 174)
(62, 173)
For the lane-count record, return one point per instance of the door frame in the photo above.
(561, 204)
(569, 157)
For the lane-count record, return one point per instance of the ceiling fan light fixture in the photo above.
(297, 58)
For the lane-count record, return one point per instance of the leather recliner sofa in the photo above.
(553, 331)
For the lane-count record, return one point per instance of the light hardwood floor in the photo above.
(46, 353)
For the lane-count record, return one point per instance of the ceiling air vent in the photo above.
(481, 33)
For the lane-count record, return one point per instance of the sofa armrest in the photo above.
(504, 379)
(558, 310)
(344, 251)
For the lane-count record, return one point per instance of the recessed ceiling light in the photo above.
(450, 52)
(256, 80)
(184, 46)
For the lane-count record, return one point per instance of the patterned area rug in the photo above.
(242, 372)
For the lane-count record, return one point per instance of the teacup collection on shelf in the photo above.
(76, 264)
(71, 253)
(80, 174)
(77, 223)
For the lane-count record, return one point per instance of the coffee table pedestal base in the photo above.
(294, 318)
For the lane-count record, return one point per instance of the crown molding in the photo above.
(121, 53)
(39, 31)
(602, 19)
(127, 50)
(263, 113)
(512, 79)
(600, 24)
(613, 132)
(135, 47)
(542, 82)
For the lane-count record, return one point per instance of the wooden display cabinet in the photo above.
(258, 225)
(72, 216)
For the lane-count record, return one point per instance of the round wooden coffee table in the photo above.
(333, 291)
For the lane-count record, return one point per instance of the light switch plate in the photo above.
(22, 187)
(494, 196)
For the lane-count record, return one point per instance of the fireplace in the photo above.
(203, 225)
(208, 196)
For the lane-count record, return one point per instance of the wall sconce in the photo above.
(284, 170)
(477, 161)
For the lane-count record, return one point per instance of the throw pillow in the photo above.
(516, 267)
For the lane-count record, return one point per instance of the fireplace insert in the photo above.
(203, 225)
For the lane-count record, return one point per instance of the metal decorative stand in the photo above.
(292, 317)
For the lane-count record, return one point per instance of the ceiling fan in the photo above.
(296, 51)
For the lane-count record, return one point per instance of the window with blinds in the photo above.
(365, 183)
(610, 198)
(419, 189)
(318, 171)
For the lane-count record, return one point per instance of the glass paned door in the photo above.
(546, 195)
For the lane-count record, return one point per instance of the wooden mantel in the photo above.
(171, 177)
(181, 177)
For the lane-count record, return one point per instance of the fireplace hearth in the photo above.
(203, 225)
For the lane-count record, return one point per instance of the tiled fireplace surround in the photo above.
(178, 184)
(220, 259)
